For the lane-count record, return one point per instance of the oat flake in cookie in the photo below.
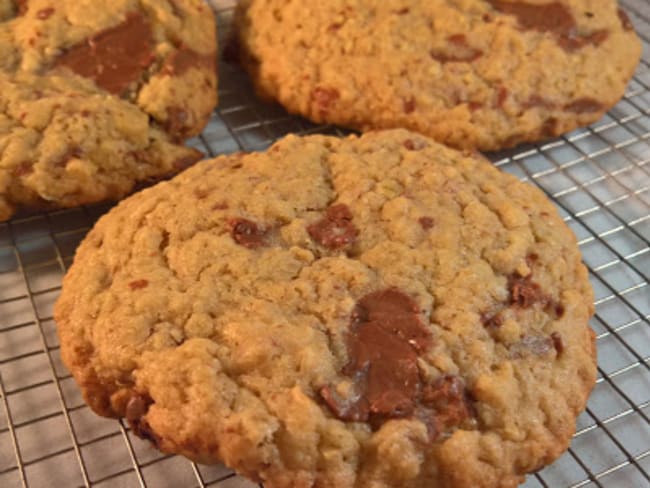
(380, 311)
(94, 100)
(484, 74)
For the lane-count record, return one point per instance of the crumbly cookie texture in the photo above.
(374, 311)
(484, 74)
(95, 100)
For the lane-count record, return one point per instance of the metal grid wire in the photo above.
(598, 177)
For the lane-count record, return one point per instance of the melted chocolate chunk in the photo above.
(573, 41)
(21, 6)
(386, 335)
(409, 105)
(426, 222)
(23, 169)
(114, 58)
(525, 293)
(246, 233)
(446, 404)
(324, 98)
(184, 59)
(136, 409)
(336, 229)
(558, 344)
(555, 18)
(458, 51)
(177, 122)
(138, 284)
(584, 105)
(492, 321)
(625, 20)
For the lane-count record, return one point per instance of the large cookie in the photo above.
(376, 311)
(94, 99)
(484, 74)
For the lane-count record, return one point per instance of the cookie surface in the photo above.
(484, 74)
(95, 100)
(376, 311)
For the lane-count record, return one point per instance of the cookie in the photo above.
(486, 74)
(378, 311)
(95, 100)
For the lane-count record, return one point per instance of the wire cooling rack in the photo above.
(598, 177)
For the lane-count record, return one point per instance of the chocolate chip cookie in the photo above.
(378, 311)
(94, 99)
(485, 74)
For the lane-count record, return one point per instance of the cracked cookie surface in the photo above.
(378, 311)
(485, 74)
(94, 100)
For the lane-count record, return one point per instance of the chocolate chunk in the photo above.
(458, 51)
(549, 17)
(492, 321)
(184, 59)
(625, 20)
(573, 41)
(336, 229)
(386, 335)
(21, 6)
(584, 105)
(45, 13)
(549, 127)
(137, 407)
(558, 344)
(502, 95)
(409, 105)
(447, 404)
(138, 284)
(23, 169)
(426, 222)
(553, 17)
(525, 293)
(177, 122)
(246, 233)
(114, 58)
(324, 98)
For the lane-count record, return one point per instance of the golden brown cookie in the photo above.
(378, 311)
(94, 100)
(484, 74)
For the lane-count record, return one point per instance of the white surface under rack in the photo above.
(598, 177)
